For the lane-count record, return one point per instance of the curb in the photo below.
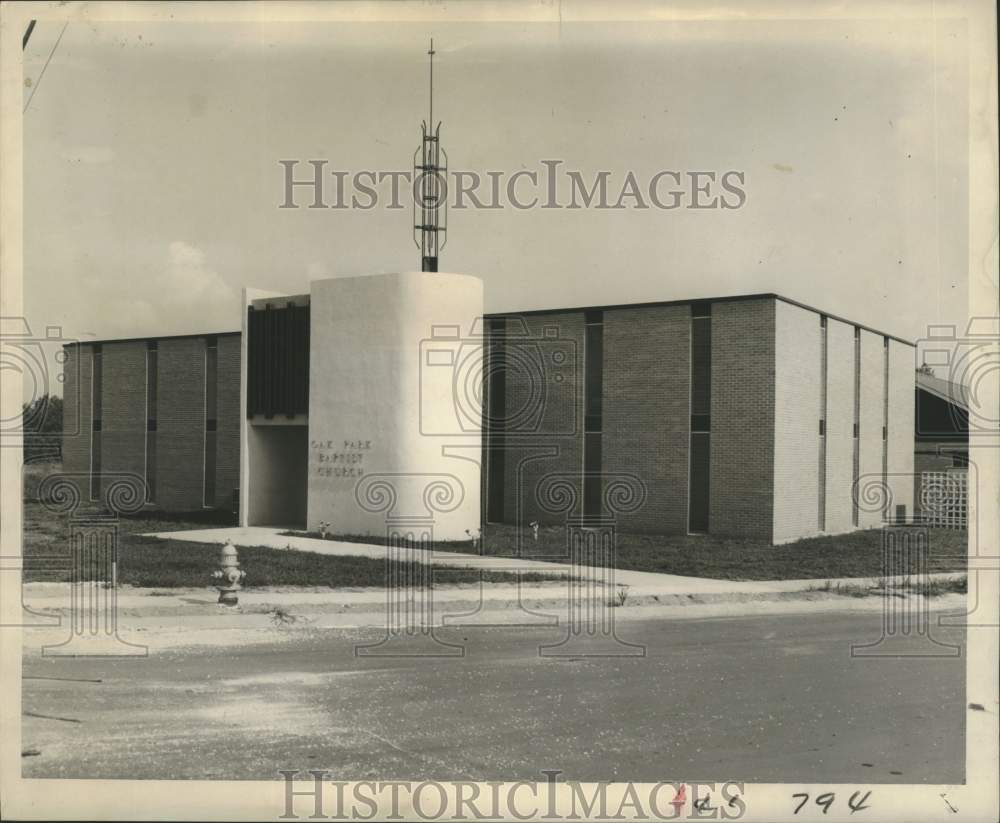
(273, 606)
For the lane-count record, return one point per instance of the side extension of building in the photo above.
(748, 417)
(164, 409)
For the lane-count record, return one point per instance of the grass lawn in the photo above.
(149, 562)
(876, 588)
(146, 561)
(857, 554)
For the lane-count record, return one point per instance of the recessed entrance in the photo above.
(279, 468)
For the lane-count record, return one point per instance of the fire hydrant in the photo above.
(229, 574)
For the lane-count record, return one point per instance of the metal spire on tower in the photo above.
(430, 188)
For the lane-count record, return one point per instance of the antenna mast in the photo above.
(430, 173)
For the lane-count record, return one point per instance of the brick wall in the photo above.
(180, 436)
(839, 426)
(228, 421)
(935, 457)
(180, 412)
(871, 420)
(123, 418)
(646, 410)
(902, 380)
(558, 434)
(797, 401)
(742, 461)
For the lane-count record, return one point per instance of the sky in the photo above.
(152, 174)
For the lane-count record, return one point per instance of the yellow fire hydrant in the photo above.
(229, 574)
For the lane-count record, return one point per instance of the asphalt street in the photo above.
(766, 698)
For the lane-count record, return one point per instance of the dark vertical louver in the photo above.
(211, 406)
(857, 425)
(151, 415)
(821, 515)
(278, 361)
(701, 417)
(593, 422)
(496, 388)
(97, 424)
(885, 423)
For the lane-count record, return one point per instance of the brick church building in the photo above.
(751, 416)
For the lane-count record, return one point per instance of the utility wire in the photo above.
(41, 74)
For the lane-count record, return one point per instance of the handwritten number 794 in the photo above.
(825, 801)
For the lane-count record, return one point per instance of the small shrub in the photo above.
(281, 617)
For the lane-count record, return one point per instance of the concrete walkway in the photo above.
(639, 583)
(165, 619)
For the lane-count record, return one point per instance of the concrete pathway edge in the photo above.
(639, 583)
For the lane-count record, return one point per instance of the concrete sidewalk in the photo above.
(465, 598)
(166, 617)
(163, 619)
(641, 584)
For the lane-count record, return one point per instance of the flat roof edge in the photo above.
(531, 312)
(941, 394)
(727, 299)
(152, 337)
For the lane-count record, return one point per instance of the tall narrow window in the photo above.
(593, 386)
(97, 421)
(701, 417)
(857, 426)
(822, 422)
(151, 414)
(885, 424)
(496, 388)
(211, 403)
